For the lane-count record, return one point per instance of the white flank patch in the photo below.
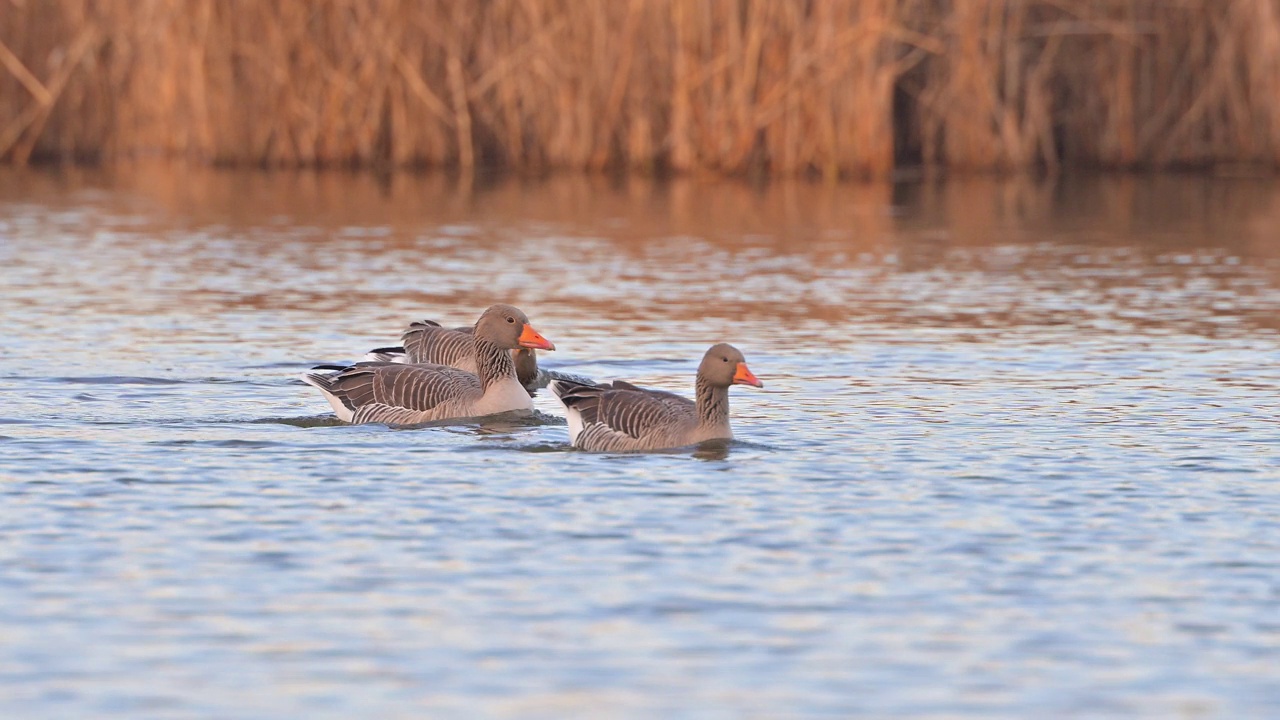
(574, 416)
(343, 412)
(575, 425)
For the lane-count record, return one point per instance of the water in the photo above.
(1017, 454)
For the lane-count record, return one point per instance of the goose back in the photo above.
(426, 341)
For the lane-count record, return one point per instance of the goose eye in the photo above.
(725, 359)
(511, 319)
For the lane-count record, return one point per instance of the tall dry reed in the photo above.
(835, 88)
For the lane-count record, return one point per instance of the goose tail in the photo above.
(321, 377)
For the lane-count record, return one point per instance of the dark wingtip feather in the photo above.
(322, 376)
(386, 354)
(565, 386)
(582, 398)
(576, 394)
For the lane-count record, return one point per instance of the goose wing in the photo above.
(399, 394)
(620, 416)
(426, 341)
(395, 354)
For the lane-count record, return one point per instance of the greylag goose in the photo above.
(426, 341)
(407, 394)
(621, 417)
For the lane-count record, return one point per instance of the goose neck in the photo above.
(493, 363)
(713, 403)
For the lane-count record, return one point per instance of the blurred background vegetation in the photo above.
(837, 88)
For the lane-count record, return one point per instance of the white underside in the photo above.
(503, 396)
(574, 417)
(575, 425)
(344, 413)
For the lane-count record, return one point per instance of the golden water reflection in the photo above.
(1011, 250)
(1237, 213)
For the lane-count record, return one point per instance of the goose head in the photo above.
(509, 328)
(724, 365)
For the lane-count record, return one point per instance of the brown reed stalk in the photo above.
(826, 88)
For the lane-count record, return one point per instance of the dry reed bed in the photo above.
(835, 87)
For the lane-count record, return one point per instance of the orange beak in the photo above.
(743, 376)
(531, 338)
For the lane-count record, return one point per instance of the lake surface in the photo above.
(1017, 455)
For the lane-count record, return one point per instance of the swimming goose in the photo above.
(426, 341)
(621, 417)
(407, 394)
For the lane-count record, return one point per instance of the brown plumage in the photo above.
(426, 341)
(621, 417)
(405, 394)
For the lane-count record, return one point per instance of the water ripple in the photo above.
(1017, 454)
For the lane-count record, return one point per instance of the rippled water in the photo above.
(1017, 454)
